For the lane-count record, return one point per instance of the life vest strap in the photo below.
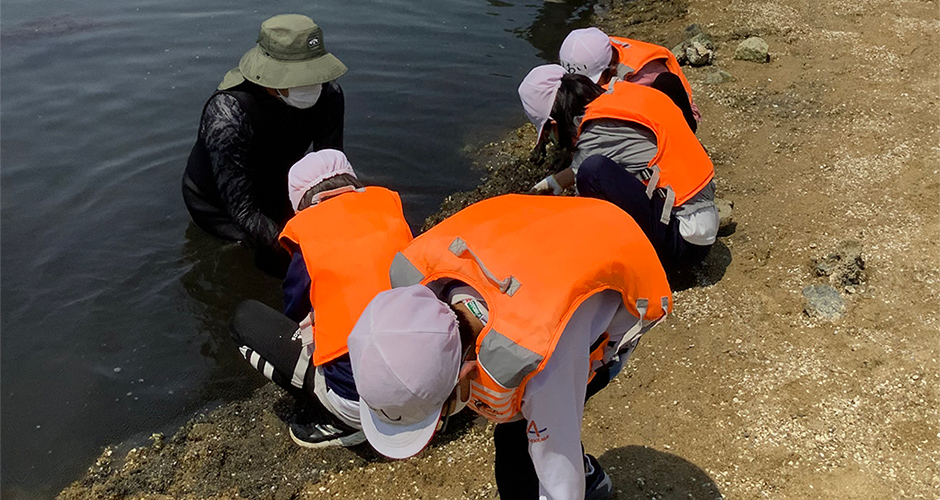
(306, 353)
(642, 305)
(668, 193)
(509, 286)
(621, 43)
(653, 181)
(610, 85)
(324, 195)
(667, 206)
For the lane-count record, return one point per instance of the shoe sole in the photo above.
(345, 441)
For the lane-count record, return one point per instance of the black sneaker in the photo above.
(597, 484)
(321, 433)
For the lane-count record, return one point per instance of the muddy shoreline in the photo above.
(741, 393)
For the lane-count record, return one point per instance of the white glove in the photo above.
(545, 185)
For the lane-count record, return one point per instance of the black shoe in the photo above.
(597, 484)
(322, 432)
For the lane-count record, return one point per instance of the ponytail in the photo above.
(571, 99)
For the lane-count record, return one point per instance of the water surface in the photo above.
(114, 306)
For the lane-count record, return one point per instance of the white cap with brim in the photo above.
(397, 441)
(537, 93)
(405, 353)
(587, 52)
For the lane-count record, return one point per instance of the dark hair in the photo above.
(467, 338)
(574, 94)
(330, 183)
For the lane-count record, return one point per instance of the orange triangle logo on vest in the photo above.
(535, 434)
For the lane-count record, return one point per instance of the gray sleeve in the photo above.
(631, 145)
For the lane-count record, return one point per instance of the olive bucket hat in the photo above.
(290, 53)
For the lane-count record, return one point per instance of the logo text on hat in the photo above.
(313, 41)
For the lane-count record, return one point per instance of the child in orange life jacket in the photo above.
(342, 241)
(629, 145)
(481, 314)
(590, 52)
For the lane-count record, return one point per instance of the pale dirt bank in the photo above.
(739, 394)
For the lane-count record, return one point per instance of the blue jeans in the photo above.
(602, 178)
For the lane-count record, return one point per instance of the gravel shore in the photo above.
(742, 392)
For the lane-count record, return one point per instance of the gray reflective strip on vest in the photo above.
(624, 71)
(509, 286)
(506, 361)
(403, 273)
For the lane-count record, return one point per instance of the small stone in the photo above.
(823, 301)
(717, 76)
(698, 54)
(844, 267)
(754, 49)
(703, 39)
(679, 52)
(699, 50)
(825, 267)
(117, 370)
(726, 224)
(158, 440)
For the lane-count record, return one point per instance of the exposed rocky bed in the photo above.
(829, 150)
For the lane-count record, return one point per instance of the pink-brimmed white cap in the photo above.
(405, 354)
(537, 93)
(314, 168)
(587, 52)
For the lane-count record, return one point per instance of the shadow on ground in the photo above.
(639, 472)
(708, 273)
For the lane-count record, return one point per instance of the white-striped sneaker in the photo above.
(597, 483)
(319, 434)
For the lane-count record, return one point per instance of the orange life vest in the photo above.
(534, 259)
(634, 54)
(348, 243)
(681, 166)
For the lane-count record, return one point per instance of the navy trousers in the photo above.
(602, 178)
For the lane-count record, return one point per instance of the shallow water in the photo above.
(114, 307)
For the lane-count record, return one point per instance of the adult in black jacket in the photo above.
(278, 104)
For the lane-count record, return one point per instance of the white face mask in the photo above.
(302, 97)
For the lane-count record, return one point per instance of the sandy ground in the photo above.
(740, 394)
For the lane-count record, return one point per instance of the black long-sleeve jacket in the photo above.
(235, 183)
